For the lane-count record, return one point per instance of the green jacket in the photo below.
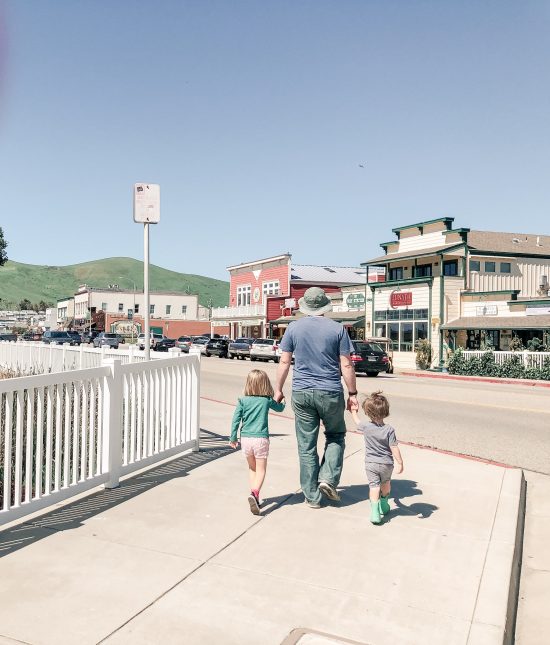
(252, 412)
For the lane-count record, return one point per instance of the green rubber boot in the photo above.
(384, 505)
(375, 516)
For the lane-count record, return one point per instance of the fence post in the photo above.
(131, 350)
(81, 351)
(112, 423)
(196, 397)
(525, 358)
(174, 352)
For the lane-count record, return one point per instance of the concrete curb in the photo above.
(478, 379)
(495, 609)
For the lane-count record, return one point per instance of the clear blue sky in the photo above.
(254, 118)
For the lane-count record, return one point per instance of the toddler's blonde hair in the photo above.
(258, 384)
(376, 406)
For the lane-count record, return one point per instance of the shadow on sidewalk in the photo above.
(72, 515)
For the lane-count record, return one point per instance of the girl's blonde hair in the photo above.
(258, 384)
(376, 407)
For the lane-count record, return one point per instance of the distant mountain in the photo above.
(49, 283)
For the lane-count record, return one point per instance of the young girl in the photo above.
(251, 414)
(381, 450)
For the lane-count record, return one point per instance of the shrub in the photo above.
(486, 365)
(423, 349)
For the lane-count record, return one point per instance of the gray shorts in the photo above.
(378, 473)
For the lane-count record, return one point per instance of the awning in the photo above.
(500, 322)
(345, 317)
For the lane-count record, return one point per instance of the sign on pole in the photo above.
(147, 203)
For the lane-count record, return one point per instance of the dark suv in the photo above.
(217, 347)
(369, 358)
(57, 338)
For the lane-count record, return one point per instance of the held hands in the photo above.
(234, 444)
(278, 396)
(355, 417)
(353, 403)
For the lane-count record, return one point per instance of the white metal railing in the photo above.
(36, 357)
(238, 312)
(529, 359)
(64, 433)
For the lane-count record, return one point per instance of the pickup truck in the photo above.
(240, 348)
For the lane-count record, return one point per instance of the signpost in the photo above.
(146, 211)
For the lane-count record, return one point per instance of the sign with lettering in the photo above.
(401, 299)
(487, 310)
(356, 300)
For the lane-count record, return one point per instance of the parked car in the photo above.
(369, 358)
(217, 347)
(165, 344)
(200, 343)
(265, 349)
(240, 348)
(89, 336)
(57, 338)
(75, 336)
(31, 335)
(387, 345)
(183, 343)
(105, 338)
(153, 340)
(9, 337)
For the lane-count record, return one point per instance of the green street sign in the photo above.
(356, 300)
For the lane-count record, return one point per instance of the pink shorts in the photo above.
(255, 446)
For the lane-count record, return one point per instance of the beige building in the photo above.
(459, 288)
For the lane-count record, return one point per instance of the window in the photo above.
(270, 288)
(396, 274)
(136, 309)
(243, 295)
(393, 333)
(380, 330)
(184, 309)
(450, 267)
(490, 267)
(423, 270)
(410, 325)
(505, 267)
(406, 344)
(168, 309)
(121, 306)
(104, 306)
(420, 331)
(475, 265)
(151, 309)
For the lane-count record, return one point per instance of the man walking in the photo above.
(321, 349)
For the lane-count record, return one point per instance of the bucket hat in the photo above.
(314, 302)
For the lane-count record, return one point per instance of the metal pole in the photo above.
(147, 339)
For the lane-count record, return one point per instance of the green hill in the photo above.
(39, 282)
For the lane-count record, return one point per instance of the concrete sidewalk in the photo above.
(175, 556)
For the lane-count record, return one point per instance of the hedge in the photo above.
(485, 365)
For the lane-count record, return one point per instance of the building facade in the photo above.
(458, 287)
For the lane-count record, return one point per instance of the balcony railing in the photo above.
(245, 311)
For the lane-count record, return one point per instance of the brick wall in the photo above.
(172, 328)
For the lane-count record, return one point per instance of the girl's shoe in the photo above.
(254, 504)
(384, 505)
(375, 516)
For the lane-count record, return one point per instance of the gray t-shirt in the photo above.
(317, 344)
(378, 440)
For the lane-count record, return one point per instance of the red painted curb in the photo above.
(489, 462)
(479, 379)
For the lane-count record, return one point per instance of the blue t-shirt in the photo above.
(317, 344)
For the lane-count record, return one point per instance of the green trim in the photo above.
(428, 253)
(456, 230)
(490, 293)
(505, 254)
(405, 281)
(447, 220)
(441, 310)
(430, 314)
(539, 301)
(384, 245)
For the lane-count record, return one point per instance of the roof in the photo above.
(339, 316)
(389, 257)
(509, 242)
(500, 322)
(242, 265)
(308, 274)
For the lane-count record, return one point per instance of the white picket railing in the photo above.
(64, 433)
(529, 359)
(36, 357)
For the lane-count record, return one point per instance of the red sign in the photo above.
(401, 299)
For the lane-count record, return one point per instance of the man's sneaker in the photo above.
(329, 491)
(311, 504)
(254, 505)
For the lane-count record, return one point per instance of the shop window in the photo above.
(475, 265)
(406, 344)
(184, 309)
(243, 295)
(104, 306)
(380, 330)
(450, 267)
(505, 267)
(396, 274)
(121, 306)
(420, 331)
(423, 271)
(151, 309)
(490, 267)
(270, 288)
(380, 315)
(407, 314)
(136, 309)
(168, 309)
(393, 333)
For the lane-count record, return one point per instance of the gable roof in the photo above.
(509, 242)
(311, 274)
(389, 257)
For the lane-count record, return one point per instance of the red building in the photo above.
(264, 290)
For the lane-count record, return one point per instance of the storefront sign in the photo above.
(356, 300)
(125, 328)
(401, 299)
(290, 303)
(487, 310)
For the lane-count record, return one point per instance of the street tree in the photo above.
(3, 245)
(25, 304)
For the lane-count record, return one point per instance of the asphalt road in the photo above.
(509, 424)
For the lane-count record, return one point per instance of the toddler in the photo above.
(381, 450)
(251, 415)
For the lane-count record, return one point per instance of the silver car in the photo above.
(109, 340)
(265, 349)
